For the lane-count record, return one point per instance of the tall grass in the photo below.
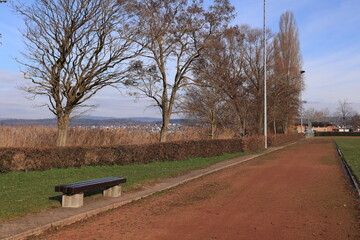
(36, 136)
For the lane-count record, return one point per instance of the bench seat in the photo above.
(73, 193)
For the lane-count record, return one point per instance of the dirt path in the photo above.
(296, 193)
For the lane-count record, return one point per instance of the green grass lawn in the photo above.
(22, 193)
(350, 147)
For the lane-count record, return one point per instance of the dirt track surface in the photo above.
(296, 193)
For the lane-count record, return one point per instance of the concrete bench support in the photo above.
(114, 191)
(73, 201)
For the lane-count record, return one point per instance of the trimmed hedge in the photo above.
(337, 134)
(28, 159)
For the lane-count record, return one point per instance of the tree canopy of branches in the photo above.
(314, 115)
(218, 75)
(2, 2)
(233, 67)
(174, 33)
(74, 49)
(355, 122)
(344, 111)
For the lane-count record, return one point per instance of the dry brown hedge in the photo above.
(28, 159)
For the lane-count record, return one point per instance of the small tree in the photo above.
(355, 122)
(205, 104)
(74, 49)
(344, 111)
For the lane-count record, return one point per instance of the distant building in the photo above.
(318, 127)
(345, 129)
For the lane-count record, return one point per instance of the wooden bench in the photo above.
(73, 193)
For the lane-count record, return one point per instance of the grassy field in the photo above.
(350, 147)
(22, 193)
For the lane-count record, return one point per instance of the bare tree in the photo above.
(355, 122)
(288, 82)
(254, 72)
(2, 2)
(74, 49)
(344, 111)
(176, 32)
(221, 67)
(205, 104)
(314, 115)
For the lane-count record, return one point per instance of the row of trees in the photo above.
(343, 116)
(161, 49)
(77, 47)
(229, 84)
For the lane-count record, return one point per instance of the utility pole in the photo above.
(265, 100)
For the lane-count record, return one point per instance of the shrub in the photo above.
(337, 134)
(27, 159)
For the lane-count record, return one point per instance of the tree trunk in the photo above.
(213, 129)
(260, 115)
(286, 126)
(261, 124)
(63, 124)
(164, 127)
(275, 126)
(213, 124)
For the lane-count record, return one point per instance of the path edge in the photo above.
(348, 169)
(73, 219)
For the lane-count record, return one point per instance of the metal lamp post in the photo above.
(265, 100)
(301, 109)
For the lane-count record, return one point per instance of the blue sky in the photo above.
(330, 44)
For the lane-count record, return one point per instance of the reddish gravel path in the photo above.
(296, 193)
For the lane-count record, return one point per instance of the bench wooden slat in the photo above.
(77, 187)
(95, 181)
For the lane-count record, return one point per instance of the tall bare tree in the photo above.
(74, 49)
(254, 72)
(176, 32)
(222, 68)
(287, 69)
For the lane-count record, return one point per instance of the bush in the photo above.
(337, 134)
(27, 159)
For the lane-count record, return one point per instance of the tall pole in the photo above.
(265, 100)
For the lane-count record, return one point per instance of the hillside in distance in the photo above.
(94, 122)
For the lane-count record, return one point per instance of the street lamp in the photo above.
(265, 100)
(301, 108)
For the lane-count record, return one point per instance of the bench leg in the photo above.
(73, 201)
(114, 191)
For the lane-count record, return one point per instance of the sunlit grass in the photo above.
(350, 147)
(28, 192)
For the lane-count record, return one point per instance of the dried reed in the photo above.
(36, 136)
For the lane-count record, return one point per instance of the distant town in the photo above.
(149, 124)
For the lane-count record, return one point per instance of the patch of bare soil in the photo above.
(299, 192)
